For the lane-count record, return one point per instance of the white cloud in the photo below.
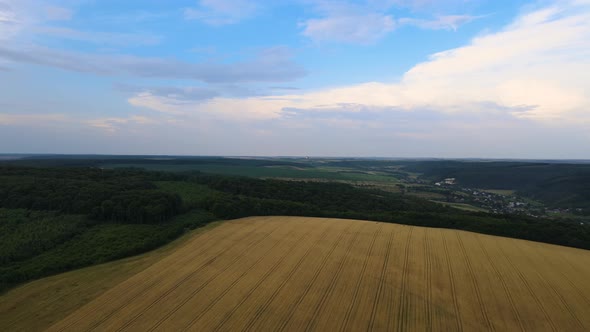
(114, 124)
(368, 21)
(7, 15)
(348, 22)
(444, 22)
(23, 14)
(23, 20)
(358, 29)
(10, 22)
(32, 119)
(58, 120)
(105, 38)
(222, 12)
(268, 65)
(426, 5)
(537, 68)
(253, 108)
(542, 60)
(55, 13)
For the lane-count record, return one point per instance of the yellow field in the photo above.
(300, 274)
(37, 305)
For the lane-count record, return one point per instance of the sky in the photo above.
(362, 78)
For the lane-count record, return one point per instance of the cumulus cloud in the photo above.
(536, 68)
(541, 60)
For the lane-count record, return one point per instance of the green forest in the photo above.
(54, 219)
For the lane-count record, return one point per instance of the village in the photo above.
(493, 202)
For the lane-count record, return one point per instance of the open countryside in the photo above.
(296, 165)
(295, 273)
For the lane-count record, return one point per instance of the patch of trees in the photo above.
(563, 192)
(322, 196)
(57, 219)
(121, 196)
(89, 244)
(24, 233)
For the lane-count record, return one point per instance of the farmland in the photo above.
(58, 219)
(274, 171)
(293, 273)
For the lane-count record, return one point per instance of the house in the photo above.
(449, 181)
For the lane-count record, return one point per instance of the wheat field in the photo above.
(312, 274)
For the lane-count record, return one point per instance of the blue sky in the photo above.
(393, 78)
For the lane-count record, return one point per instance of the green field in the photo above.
(189, 192)
(286, 172)
(463, 206)
(500, 192)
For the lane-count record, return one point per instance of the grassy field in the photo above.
(295, 274)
